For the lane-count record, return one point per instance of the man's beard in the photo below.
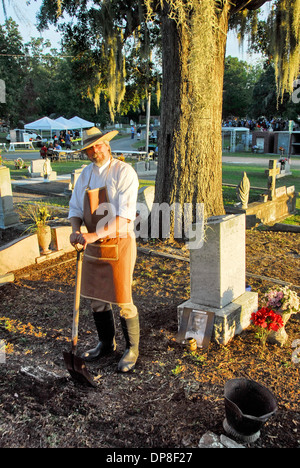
(99, 162)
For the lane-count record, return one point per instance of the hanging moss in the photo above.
(285, 43)
(282, 32)
(59, 8)
(116, 74)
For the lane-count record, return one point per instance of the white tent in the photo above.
(68, 123)
(81, 122)
(45, 124)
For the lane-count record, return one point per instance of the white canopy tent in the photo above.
(81, 123)
(45, 124)
(68, 123)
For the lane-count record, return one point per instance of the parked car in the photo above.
(19, 135)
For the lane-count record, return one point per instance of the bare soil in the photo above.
(173, 396)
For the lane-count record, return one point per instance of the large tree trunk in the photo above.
(190, 144)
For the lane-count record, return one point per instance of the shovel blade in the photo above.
(77, 369)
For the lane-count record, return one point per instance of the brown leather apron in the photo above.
(107, 264)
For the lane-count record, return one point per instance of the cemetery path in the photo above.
(174, 396)
(257, 161)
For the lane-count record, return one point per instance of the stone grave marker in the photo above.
(140, 166)
(285, 168)
(280, 192)
(8, 217)
(74, 177)
(218, 278)
(147, 167)
(153, 165)
(37, 168)
(145, 200)
(272, 172)
(290, 190)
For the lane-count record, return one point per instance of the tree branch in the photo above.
(247, 4)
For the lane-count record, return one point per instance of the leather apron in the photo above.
(108, 264)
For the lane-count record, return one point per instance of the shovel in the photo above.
(76, 365)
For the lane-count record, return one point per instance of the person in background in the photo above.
(68, 140)
(132, 131)
(50, 151)
(43, 152)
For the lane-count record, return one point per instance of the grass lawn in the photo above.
(233, 173)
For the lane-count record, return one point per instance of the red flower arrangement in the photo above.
(266, 320)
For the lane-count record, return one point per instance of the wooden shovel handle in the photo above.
(77, 300)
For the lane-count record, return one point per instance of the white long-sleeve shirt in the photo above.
(122, 186)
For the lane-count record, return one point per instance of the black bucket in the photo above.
(248, 406)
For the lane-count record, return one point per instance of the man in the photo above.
(68, 139)
(104, 198)
(132, 131)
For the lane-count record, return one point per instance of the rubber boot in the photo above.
(131, 331)
(105, 326)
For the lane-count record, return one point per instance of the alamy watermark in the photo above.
(2, 352)
(2, 92)
(187, 221)
(296, 92)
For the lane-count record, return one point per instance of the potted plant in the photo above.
(40, 216)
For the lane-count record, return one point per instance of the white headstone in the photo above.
(8, 217)
(75, 175)
(145, 200)
(218, 269)
(140, 166)
(37, 168)
(218, 285)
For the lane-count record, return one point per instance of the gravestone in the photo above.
(145, 200)
(284, 165)
(147, 167)
(272, 173)
(141, 166)
(217, 278)
(37, 168)
(153, 165)
(74, 177)
(8, 217)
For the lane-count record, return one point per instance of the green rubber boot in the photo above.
(131, 331)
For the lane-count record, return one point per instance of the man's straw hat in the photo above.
(93, 136)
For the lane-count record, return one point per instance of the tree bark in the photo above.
(190, 143)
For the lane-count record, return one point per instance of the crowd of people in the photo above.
(262, 123)
(61, 141)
